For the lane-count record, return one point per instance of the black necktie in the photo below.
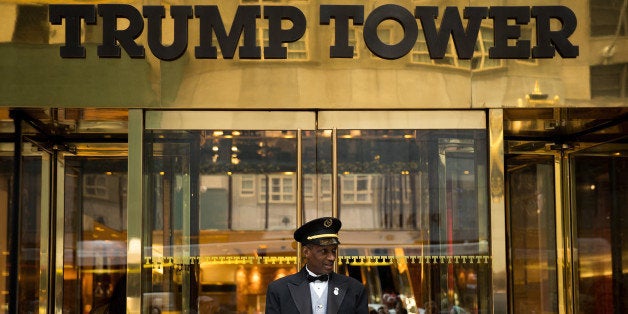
(323, 277)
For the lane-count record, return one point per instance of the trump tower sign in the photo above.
(506, 20)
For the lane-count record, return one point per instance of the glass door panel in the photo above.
(242, 218)
(533, 256)
(168, 234)
(31, 260)
(94, 234)
(412, 197)
(317, 174)
(600, 198)
(6, 177)
(33, 200)
(222, 199)
(32, 225)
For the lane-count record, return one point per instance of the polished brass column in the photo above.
(299, 191)
(498, 210)
(135, 212)
(566, 278)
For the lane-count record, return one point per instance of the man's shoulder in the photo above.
(284, 280)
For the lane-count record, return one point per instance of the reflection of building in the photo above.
(496, 185)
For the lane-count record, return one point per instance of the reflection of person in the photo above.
(117, 302)
(457, 310)
(399, 308)
(316, 288)
(389, 299)
(431, 307)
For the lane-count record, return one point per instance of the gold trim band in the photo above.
(326, 235)
(180, 262)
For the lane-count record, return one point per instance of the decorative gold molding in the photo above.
(179, 261)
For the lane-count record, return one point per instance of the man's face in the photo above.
(320, 258)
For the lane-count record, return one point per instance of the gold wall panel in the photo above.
(35, 75)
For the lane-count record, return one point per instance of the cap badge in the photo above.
(327, 223)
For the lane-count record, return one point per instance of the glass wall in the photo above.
(30, 230)
(222, 204)
(222, 208)
(224, 191)
(414, 207)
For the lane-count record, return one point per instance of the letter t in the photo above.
(342, 14)
(73, 14)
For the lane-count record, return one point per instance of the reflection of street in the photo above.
(596, 274)
(207, 305)
(594, 257)
(99, 252)
(159, 303)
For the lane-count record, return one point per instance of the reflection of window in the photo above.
(609, 80)
(247, 186)
(605, 15)
(406, 191)
(486, 39)
(528, 32)
(297, 50)
(479, 61)
(356, 189)
(353, 42)
(95, 185)
(308, 188)
(323, 187)
(281, 189)
(325, 184)
(420, 53)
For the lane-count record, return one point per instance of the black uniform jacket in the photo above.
(291, 294)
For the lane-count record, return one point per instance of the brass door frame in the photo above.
(135, 211)
(564, 237)
(498, 210)
(565, 229)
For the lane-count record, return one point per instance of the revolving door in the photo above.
(225, 190)
(566, 205)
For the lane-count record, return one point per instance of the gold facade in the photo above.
(170, 175)
(30, 55)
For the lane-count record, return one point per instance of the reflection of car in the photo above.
(159, 303)
(91, 252)
(594, 257)
(380, 308)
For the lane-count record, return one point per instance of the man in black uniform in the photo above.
(316, 288)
